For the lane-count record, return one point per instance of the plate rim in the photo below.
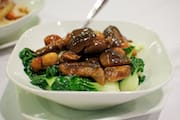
(166, 91)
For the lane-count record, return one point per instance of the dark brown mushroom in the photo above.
(117, 73)
(51, 38)
(114, 57)
(81, 38)
(55, 46)
(85, 69)
(114, 37)
(88, 53)
(69, 56)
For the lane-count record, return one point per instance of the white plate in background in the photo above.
(12, 28)
(12, 39)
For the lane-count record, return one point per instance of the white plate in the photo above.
(153, 54)
(9, 106)
(12, 39)
(12, 28)
(33, 107)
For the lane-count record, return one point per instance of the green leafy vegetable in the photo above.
(26, 56)
(52, 71)
(28, 71)
(129, 50)
(137, 65)
(141, 78)
(40, 80)
(73, 83)
(76, 83)
(44, 78)
(132, 82)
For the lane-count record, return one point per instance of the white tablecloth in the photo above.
(161, 16)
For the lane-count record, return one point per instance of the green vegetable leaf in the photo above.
(61, 83)
(52, 71)
(28, 71)
(129, 50)
(40, 80)
(137, 65)
(26, 56)
(73, 83)
(141, 78)
(132, 82)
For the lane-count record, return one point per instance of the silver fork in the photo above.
(93, 12)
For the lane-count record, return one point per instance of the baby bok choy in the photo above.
(132, 82)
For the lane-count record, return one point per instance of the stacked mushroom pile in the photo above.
(87, 53)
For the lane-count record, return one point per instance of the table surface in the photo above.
(161, 16)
